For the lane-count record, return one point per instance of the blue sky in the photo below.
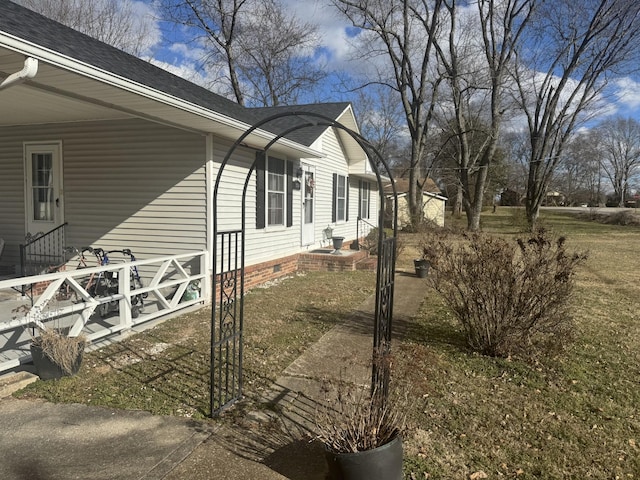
(171, 49)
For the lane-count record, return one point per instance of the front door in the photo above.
(308, 208)
(43, 189)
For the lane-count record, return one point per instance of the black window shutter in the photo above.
(360, 184)
(289, 194)
(334, 198)
(346, 193)
(260, 190)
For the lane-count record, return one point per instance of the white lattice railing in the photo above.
(64, 303)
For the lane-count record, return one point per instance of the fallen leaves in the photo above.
(478, 475)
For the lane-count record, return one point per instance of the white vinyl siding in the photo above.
(134, 184)
(127, 184)
(261, 244)
(335, 162)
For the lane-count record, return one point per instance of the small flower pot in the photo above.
(337, 242)
(382, 463)
(422, 267)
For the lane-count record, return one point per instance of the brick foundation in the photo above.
(308, 262)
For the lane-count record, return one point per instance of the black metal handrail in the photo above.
(42, 251)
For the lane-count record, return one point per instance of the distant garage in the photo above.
(433, 202)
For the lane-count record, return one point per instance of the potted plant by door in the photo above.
(361, 433)
(56, 355)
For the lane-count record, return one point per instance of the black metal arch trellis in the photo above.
(227, 316)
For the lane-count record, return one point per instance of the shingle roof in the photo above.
(35, 28)
(402, 186)
(307, 135)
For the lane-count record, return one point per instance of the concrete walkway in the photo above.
(41, 440)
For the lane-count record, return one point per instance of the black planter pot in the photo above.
(47, 369)
(337, 242)
(422, 268)
(382, 463)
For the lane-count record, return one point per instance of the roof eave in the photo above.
(30, 49)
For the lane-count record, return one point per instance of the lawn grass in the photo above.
(572, 416)
(165, 370)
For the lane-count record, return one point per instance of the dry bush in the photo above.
(510, 297)
(355, 420)
(371, 241)
(623, 217)
(60, 349)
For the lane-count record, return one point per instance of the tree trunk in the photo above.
(457, 208)
(415, 193)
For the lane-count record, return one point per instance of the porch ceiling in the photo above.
(29, 103)
(58, 94)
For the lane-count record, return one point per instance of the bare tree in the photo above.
(380, 118)
(476, 74)
(620, 149)
(216, 25)
(397, 41)
(276, 56)
(116, 22)
(446, 64)
(515, 144)
(562, 72)
(578, 174)
(265, 54)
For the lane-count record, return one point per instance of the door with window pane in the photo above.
(308, 207)
(43, 202)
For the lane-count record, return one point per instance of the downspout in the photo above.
(29, 71)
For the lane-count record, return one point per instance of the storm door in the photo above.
(309, 205)
(43, 187)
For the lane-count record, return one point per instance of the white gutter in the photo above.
(28, 71)
(86, 70)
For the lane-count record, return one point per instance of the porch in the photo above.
(64, 300)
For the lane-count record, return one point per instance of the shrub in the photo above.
(623, 217)
(371, 241)
(509, 297)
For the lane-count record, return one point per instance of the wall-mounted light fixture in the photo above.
(297, 178)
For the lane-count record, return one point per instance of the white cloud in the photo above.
(146, 20)
(331, 27)
(627, 92)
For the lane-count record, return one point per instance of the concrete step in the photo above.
(369, 264)
(13, 382)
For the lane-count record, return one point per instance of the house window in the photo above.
(364, 193)
(276, 192)
(340, 198)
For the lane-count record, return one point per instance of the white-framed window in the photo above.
(341, 197)
(276, 191)
(365, 199)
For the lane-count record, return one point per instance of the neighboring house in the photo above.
(510, 198)
(127, 153)
(433, 203)
(554, 199)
